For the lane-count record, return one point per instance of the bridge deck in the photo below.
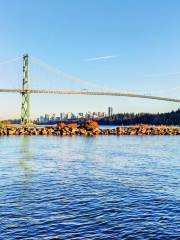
(98, 93)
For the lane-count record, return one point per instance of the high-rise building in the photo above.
(46, 118)
(62, 115)
(53, 117)
(80, 115)
(101, 114)
(110, 111)
(69, 115)
(41, 119)
(58, 119)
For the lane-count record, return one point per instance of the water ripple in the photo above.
(89, 188)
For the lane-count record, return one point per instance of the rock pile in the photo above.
(142, 130)
(89, 129)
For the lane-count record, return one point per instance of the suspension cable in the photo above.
(10, 60)
(62, 74)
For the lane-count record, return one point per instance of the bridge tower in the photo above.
(25, 107)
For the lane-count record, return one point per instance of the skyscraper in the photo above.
(110, 111)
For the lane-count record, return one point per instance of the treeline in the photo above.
(171, 118)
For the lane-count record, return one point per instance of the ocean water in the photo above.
(105, 187)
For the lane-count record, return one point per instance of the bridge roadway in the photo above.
(98, 93)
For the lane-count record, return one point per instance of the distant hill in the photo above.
(171, 118)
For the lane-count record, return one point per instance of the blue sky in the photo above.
(122, 45)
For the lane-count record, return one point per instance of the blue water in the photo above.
(104, 187)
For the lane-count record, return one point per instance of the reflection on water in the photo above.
(26, 156)
(89, 188)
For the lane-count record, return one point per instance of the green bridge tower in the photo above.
(25, 108)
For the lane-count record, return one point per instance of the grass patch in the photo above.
(2, 125)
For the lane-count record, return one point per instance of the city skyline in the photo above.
(70, 116)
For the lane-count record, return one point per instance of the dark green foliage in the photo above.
(172, 118)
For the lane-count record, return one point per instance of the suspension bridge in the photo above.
(26, 91)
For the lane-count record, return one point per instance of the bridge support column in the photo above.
(25, 108)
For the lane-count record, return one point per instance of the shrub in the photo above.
(72, 125)
(91, 124)
(2, 125)
(61, 125)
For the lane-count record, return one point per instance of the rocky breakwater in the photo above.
(89, 128)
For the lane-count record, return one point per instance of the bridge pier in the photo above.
(25, 107)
